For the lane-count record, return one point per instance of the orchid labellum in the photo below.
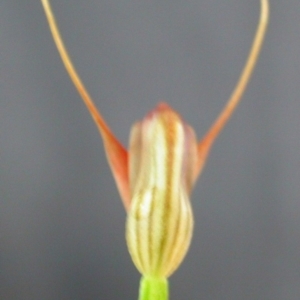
(156, 174)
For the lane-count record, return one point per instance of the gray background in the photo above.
(61, 220)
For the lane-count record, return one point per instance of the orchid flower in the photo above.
(156, 174)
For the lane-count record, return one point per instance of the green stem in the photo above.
(152, 288)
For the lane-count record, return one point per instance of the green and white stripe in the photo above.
(160, 221)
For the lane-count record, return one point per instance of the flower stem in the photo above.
(152, 288)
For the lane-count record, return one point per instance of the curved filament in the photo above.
(115, 152)
(205, 144)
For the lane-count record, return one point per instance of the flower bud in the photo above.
(162, 171)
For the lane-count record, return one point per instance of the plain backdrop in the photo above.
(61, 219)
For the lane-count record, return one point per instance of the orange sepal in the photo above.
(205, 144)
(116, 154)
